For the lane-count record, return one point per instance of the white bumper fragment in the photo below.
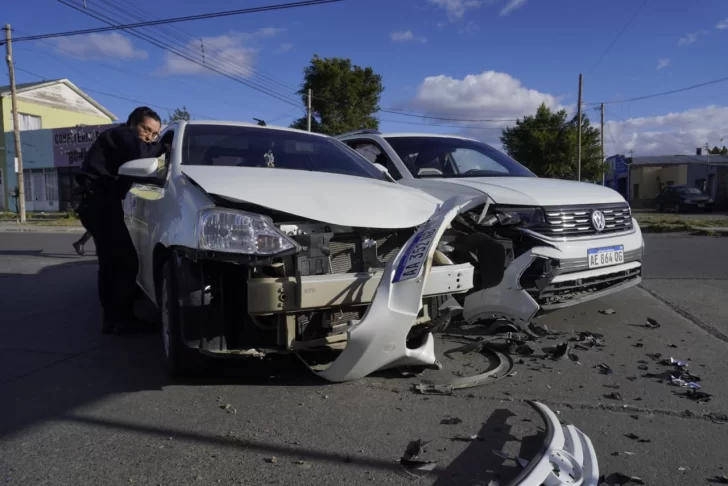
(567, 456)
(378, 340)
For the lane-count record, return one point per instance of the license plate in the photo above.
(416, 254)
(604, 257)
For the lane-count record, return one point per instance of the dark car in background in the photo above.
(683, 199)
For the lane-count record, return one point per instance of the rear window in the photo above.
(227, 145)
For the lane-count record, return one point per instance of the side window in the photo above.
(374, 154)
(166, 159)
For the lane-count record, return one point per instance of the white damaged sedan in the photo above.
(256, 240)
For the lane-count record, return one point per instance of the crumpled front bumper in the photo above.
(378, 340)
(567, 456)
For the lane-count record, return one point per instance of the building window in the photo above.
(27, 122)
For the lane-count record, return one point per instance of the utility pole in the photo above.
(308, 109)
(16, 123)
(604, 174)
(578, 135)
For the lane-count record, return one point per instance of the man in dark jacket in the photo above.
(102, 215)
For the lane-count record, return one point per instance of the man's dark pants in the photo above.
(118, 261)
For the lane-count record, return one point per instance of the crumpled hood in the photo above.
(329, 198)
(535, 191)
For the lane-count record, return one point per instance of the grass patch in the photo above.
(44, 218)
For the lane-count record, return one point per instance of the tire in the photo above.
(179, 360)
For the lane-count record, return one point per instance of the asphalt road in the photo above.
(79, 408)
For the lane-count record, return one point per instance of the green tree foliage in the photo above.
(719, 151)
(546, 143)
(178, 114)
(345, 96)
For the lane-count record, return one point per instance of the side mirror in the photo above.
(141, 169)
(429, 172)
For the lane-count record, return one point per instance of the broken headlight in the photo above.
(517, 216)
(240, 232)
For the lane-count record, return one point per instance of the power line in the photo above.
(130, 100)
(418, 115)
(227, 13)
(624, 29)
(664, 93)
(177, 52)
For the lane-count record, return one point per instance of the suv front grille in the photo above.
(576, 221)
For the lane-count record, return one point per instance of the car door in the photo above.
(146, 202)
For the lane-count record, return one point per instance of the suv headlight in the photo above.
(522, 217)
(240, 232)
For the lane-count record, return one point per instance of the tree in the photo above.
(546, 143)
(718, 151)
(345, 96)
(178, 114)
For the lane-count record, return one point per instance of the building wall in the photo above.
(58, 106)
(647, 181)
(50, 158)
(704, 172)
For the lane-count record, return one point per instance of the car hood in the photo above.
(328, 198)
(536, 191)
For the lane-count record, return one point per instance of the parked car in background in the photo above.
(255, 240)
(683, 198)
(560, 242)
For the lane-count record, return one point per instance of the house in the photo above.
(42, 108)
(640, 179)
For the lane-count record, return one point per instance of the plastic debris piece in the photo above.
(681, 364)
(558, 352)
(614, 396)
(605, 369)
(651, 323)
(451, 421)
(272, 460)
(471, 438)
(608, 312)
(501, 454)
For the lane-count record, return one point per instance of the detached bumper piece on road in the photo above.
(567, 456)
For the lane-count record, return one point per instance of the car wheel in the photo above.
(179, 360)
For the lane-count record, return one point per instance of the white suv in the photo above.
(561, 242)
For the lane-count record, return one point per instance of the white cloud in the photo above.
(285, 47)
(489, 95)
(99, 47)
(688, 39)
(722, 25)
(470, 28)
(663, 63)
(406, 36)
(671, 134)
(511, 6)
(456, 8)
(232, 54)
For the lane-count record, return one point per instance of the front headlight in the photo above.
(234, 231)
(522, 217)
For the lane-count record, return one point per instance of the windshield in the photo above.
(454, 157)
(689, 190)
(239, 146)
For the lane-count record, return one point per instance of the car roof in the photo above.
(428, 135)
(253, 125)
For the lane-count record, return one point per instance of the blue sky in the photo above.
(460, 59)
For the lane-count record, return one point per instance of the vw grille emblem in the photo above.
(598, 220)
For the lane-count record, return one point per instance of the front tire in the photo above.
(179, 360)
